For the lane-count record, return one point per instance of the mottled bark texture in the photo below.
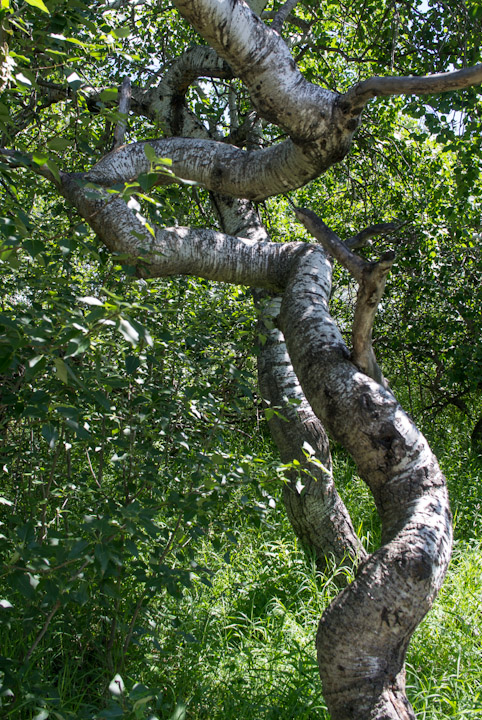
(316, 511)
(306, 372)
(363, 636)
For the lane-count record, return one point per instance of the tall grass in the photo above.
(242, 644)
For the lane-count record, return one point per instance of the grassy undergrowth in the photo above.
(242, 645)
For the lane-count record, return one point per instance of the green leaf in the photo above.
(179, 713)
(102, 555)
(23, 81)
(68, 411)
(121, 32)
(109, 95)
(51, 434)
(24, 582)
(80, 431)
(58, 143)
(308, 448)
(52, 166)
(150, 153)
(77, 346)
(40, 158)
(61, 369)
(39, 4)
(42, 713)
(132, 363)
(269, 412)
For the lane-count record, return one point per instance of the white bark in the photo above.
(158, 252)
(396, 586)
(316, 511)
(219, 167)
(363, 635)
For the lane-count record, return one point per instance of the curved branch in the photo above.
(163, 102)
(194, 63)
(282, 14)
(260, 57)
(302, 25)
(361, 93)
(222, 168)
(364, 236)
(160, 252)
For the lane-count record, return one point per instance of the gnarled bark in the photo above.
(316, 511)
(363, 636)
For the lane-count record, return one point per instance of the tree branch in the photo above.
(302, 25)
(282, 14)
(371, 278)
(219, 167)
(16, 159)
(124, 105)
(260, 57)
(161, 252)
(361, 93)
(331, 242)
(364, 236)
(370, 291)
(316, 511)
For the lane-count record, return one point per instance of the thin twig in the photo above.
(124, 105)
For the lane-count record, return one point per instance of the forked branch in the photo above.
(331, 242)
(370, 291)
(371, 278)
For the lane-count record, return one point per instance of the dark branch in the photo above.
(302, 25)
(331, 242)
(364, 236)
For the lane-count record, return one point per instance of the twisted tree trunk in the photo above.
(364, 634)
(307, 374)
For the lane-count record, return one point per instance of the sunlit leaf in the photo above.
(38, 4)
